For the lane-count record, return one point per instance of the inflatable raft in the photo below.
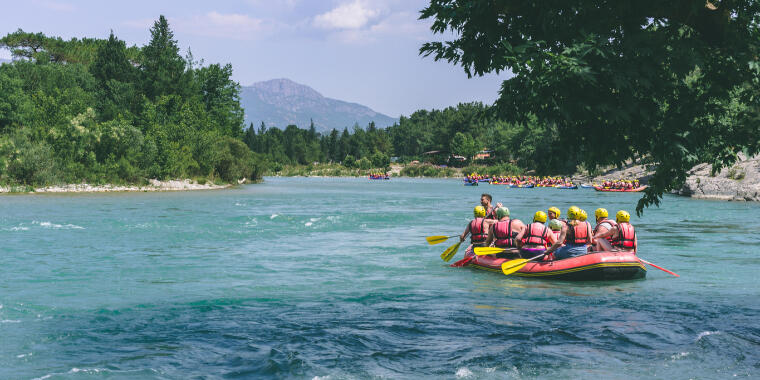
(634, 190)
(597, 266)
(574, 187)
(528, 186)
(470, 183)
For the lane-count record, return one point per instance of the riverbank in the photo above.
(153, 185)
(740, 182)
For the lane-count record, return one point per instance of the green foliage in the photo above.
(97, 111)
(464, 145)
(675, 81)
(427, 171)
(349, 161)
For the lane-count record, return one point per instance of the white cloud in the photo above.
(353, 15)
(5, 54)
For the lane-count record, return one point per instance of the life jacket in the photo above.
(626, 236)
(611, 224)
(535, 235)
(478, 234)
(491, 214)
(503, 235)
(578, 234)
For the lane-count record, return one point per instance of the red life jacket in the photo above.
(503, 235)
(478, 234)
(491, 214)
(535, 235)
(626, 236)
(578, 234)
(611, 224)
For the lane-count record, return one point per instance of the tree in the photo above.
(674, 81)
(464, 145)
(162, 66)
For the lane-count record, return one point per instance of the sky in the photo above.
(363, 51)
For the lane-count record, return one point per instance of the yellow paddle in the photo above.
(450, 252)
(513, 266)
(438, 239)
(480, 251)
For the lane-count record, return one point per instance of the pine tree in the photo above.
(111, 62)
(163, 67)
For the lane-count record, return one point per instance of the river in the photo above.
(331, 278)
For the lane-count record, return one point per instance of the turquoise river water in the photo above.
(331, 278)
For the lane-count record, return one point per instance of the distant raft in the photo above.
(607, 189)
(596, 266)
(471, 183)
(525, 186)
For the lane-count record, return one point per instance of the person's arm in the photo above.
(559, 240)
(519, 237)
(489, 240)
(465, 233)
(605, 234)
(549, 235)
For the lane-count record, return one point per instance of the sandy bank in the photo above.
(154, 185)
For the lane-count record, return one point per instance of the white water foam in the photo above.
(19, 228)
(58, 226)
(274, 216)
(705, 333)
(10, 321)
(23, 355)
(308, 224)
(679, 356)
(463, 372)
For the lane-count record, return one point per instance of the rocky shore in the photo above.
(740, 182)
(153, 185)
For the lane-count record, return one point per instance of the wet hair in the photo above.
(487, 196)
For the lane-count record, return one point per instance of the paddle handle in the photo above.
(658, 267)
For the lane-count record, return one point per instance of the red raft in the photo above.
(597, 266)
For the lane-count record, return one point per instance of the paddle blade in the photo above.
(450, 252)
(513, 266)
(436, 239)
(480, 251)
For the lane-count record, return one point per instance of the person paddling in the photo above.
(502, 233)
(536, 237)
(575, 234)
(485, 201)
(603, 224)
(477, 228)
(622, 236)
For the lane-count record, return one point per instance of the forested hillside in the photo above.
(98, 111)
(462, 130)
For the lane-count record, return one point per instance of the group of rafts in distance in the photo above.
(529, 182)
(550, 247)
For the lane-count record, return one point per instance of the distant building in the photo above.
(483, 154)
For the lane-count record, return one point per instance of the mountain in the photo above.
(280, 102)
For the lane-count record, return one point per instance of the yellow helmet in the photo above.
(622, 216)
(555, 211)
(573, 212)
(601, 213)
(540, 217)
(583, 216)
(480, 212)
